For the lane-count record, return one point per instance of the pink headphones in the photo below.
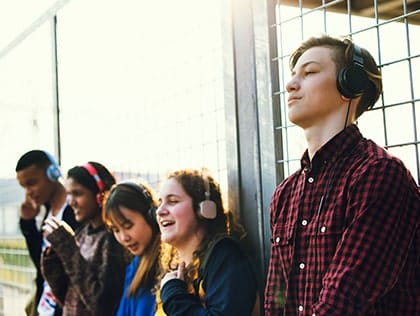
(99, 183)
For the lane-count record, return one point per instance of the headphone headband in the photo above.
(353, 80)
(138, 187)
(94, 174)
(357, 57)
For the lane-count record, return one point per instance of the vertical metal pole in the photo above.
(56, 101)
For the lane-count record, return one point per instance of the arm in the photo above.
(374, 246)
(98, 280)
(54, 273)
(228, 274)
(33, 238)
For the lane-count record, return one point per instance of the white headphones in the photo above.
(208, 208)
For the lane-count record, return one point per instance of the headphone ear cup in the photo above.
(152, 213)
(53, 171)
(152, 219)
(352, 81)
(208, 209)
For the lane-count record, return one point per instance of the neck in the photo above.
(58, 199)
(316, 138)
(97, 220)
(186, 251)
(318, 134)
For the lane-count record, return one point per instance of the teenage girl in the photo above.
(85, 269)
(207, 271)
(130, 214)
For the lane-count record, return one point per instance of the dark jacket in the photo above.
(226, 285)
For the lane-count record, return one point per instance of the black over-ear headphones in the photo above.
(53, 171)
(352, 80)
(99, 183)
(208, 208)
(142, 190)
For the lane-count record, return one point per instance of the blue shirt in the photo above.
(142, 304)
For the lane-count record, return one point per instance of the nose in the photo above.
(122, 235)
(71, 200)
(28, 191)
(292, 85)
(161, 210)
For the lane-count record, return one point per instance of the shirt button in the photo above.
(277, 239)
(304, 222)
(310, 180)
(323, 229)
(300, 308)
(302, 266)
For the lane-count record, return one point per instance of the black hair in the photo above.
(82, 176)
(33, 157)
(137, 197)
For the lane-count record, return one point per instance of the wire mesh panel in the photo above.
(387, 29)
(17, 274)
(139, 89)
(147, 93)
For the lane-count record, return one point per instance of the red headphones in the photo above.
(99, 183)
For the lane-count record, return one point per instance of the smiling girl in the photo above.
(85, 269)
(208, 272)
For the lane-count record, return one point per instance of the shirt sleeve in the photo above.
(375, 245)
(33, 238)
(54, 274)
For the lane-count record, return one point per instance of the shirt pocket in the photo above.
(324, 233)
(283, 245)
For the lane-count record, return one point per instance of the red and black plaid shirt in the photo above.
(345, 234)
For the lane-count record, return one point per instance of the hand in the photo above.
(177, 274)
(29, 209)
(51, 224)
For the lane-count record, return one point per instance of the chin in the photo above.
(292, 118)
(167, 239)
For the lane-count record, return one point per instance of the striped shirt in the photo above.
(345, 234)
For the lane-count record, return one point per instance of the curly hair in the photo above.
(195, 183)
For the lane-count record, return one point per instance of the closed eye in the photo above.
(127, 225)
(114, 229)
(173, 201)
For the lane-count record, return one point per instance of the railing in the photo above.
(17, 275)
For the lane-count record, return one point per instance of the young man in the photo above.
(38, 173)
(345, 227)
